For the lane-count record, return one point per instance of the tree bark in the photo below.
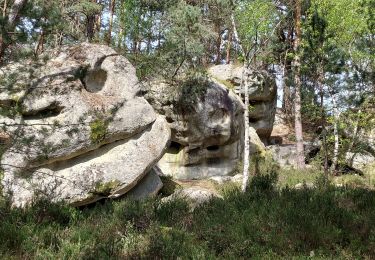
(5, 6)
(354, 138)
(246, 161)
(297, 83)
(287, 104)
(336, 135)
(10, 24)
(90, 25)
(218, 45)
(229, 43)
(320, 81)
(40, 46)
(111, 13)
(244, 83)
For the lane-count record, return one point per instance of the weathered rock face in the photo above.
(282, 131)
(262, 95)
(286, 154)
(206, 121)
(82, 132)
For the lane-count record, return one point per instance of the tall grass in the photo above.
(265, 222)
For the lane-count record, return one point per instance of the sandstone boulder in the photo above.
(262, 95)
(206, 120)
(82, 131)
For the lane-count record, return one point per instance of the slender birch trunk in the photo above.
(320, 81)
(297, 83)
(227, 60)
(336, 135)
(111, 13)
(5, 8)
(354, 138)
(245, 85)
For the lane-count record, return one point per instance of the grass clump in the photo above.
(265, 222)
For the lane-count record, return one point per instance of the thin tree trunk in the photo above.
(237, 38)
(218, 45)
(245, 74)
(90, 25)
(90, 28)
(246, 161)
(323, 117)
(111, 12)
(229, 43)
(297, 83)
(11, 23)
(287, 104)
(354, 138)
(40, 46)
(120, 37)
(98, 20)
(5, 6)
(336, 135)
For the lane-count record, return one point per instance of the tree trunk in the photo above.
(40, 46)
(229, 43)
(297, 83)
(236, 37)
(320, 81)
(90, 25)
(98, 20)
(111, 12)
(287, 104)
(90, 32)
(354, 138)
(218, 44)
(244, 83)
(10, 24)
(246, 161)
(5, 6)
(336, 135)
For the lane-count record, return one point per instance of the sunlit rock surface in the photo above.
(77, 129)
(206, 120)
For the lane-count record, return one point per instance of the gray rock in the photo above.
(195, 196)
(286, 154)
(262, 95)
(207, 128)
(225, 179)
(83, 133)
(307, 185)
(360, 161)
(150, 185)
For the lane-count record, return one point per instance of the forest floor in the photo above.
(269, 221)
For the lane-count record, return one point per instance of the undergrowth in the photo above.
(265, 222)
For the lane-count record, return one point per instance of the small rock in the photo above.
(300, 186)
(221, 179)
(149, 186)
(194, 195)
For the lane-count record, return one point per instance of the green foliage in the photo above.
(169, 186)
(190, 92)
(289, 177)
(256, 21)
(105, 188)
(98, 130)
(264, 222)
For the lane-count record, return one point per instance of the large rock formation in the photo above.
(79, 129)
(206, 120)
(262, 95)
